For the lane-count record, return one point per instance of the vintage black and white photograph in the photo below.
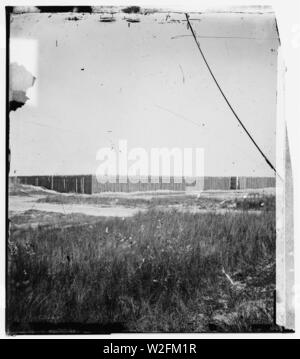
(149, 174)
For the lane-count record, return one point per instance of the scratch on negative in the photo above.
(183, 79)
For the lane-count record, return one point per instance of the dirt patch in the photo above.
(22, 204)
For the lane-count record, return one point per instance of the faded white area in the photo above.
(285, 275)
(147, 83)
(25, 52)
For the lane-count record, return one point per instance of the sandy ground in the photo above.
(22, 204)
(24, 198)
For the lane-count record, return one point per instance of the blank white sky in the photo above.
(148, 87)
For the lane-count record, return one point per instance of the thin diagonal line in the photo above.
(228, 103)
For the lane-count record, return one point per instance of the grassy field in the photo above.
(254, 201)
(157, 271)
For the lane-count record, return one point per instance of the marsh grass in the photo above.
(267, 203)
(95, 200)
(154, 272)
(255, 201)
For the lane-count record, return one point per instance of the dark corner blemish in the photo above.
(132, 20)
(132, 10)
(73, 18)
(58, 9)
(107, 19)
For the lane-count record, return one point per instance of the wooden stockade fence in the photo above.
(76, 184)
(138, 185)
(89, 184)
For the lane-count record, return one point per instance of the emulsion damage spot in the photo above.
(19, 81)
